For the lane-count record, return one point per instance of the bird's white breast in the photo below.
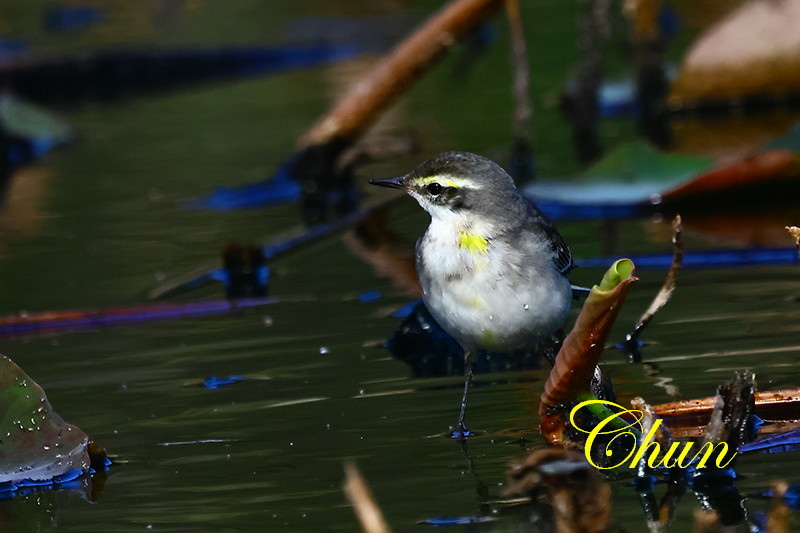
(502, 299)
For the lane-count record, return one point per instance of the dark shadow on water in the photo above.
(430, 352)
(113, 75)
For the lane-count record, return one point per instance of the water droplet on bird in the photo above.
(324, 349)
(491, 317)
(526, 307)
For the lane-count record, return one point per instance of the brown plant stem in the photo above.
(523, 111)
(777, 406)
(328, 190)
(521, 164)
(360, 497)
(361, 105)
(577, 359)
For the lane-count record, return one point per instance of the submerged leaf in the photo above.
(579, 497)
(36, 445)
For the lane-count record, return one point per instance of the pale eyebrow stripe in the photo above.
(448, 181)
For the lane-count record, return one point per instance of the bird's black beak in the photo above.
(394, 183)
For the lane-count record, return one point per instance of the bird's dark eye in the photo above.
(434, 189)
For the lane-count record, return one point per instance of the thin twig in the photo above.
(523, 111)
(360, 497)
(521, 164)
(631, 344)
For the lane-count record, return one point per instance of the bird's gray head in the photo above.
(462, 186)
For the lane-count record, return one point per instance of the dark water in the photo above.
(103, 222)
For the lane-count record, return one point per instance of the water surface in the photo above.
(105, 222)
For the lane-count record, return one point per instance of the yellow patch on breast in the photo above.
(475, 244)
(488, 340)
(473, 302)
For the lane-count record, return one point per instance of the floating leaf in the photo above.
(214, 383)
(277, 189)
(782, 442)
(631, 174)
(28, 121)
(770, 166)
(36, 446)
(638, 162)
(634, 177)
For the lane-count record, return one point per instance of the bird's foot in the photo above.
(460, 432)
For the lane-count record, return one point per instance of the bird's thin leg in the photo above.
(551, 346)
(461, 430)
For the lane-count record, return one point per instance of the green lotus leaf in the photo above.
(35, 442)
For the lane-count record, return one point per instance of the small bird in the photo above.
(491, 265)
